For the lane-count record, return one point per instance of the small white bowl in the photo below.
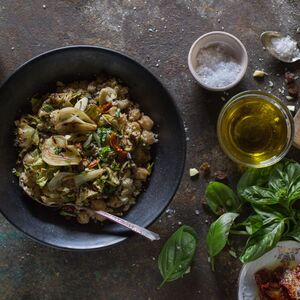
(236, 47)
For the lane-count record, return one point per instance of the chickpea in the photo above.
(123, 104)
(98, 204)
(125, 193)
(134, 114)
(141, 173)
(91, 88)
(83, 217)
(114, 202)
(100, 218)
(146, 122)
(148, 137)
(112, 111)
(135, 126)
(127, 183)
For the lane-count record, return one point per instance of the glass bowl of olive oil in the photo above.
(255, 129)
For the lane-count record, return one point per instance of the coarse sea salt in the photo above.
(217, 67)
(285, 46)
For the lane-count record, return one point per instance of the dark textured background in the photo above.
(157, 34)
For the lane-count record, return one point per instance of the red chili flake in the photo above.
(105, 107)
(122, 155)
(113, 142)
(93, 164)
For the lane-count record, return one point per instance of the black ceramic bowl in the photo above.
(39, 76)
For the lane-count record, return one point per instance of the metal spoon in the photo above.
(266, 39)
(134, 227)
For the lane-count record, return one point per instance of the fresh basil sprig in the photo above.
(272, 193)
(177, 254)
(218, 235)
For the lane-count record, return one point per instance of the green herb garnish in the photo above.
(104, 153)
(47, 108)
(115, 166)
(103, 133)
(57, 150)
(272, 194)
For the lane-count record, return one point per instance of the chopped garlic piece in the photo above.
(291, 107)
(193, 172)
(259, 73)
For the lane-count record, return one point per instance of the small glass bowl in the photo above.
(271, 99)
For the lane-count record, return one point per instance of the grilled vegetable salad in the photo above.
(85, 147)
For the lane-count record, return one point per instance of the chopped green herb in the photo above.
(115, 166)
(103, 133)
(16, 172)
(104, 153)
(47, 108)
(57, 150)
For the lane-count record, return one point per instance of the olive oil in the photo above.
(253, 130)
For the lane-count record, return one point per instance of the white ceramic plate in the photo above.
(287, 251)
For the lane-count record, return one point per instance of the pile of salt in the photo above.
(285, 46)
(217, 67)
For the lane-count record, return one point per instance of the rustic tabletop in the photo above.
(157, 34)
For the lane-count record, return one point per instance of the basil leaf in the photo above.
(294, 190)
(217, 236)
(295, 233)
(251, 177)
(254, 223)
(268, 213)
(259, 195)
(221, 198)
(262, 241)
(285, 180)
(177, 254)
(287, 170)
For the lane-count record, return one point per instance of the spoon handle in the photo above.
(136, 228)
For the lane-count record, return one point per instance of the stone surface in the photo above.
(158, 34)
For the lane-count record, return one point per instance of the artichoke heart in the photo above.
(72, 180)
(57, 152)
(27, 135)
(72, 120)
